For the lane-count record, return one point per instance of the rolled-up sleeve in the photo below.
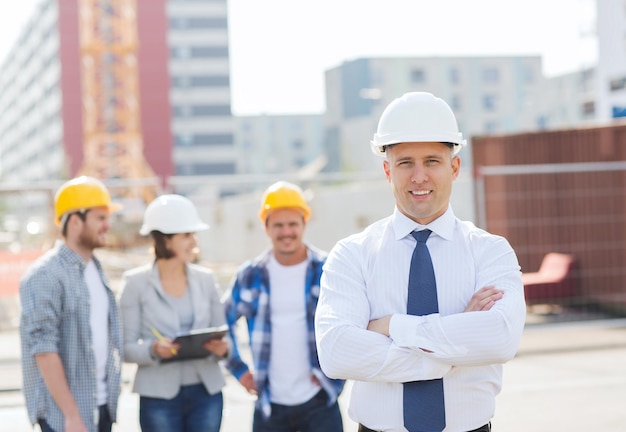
(42, 309)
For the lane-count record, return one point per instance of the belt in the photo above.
(485, 428)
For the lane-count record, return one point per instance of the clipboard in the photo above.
(191, 343)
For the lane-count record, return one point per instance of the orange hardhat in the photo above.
(283, 195)
(82, 193)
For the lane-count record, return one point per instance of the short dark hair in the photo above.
(160, 249)
(388, 146)
(82, 214)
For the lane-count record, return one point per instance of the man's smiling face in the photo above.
(421, 176)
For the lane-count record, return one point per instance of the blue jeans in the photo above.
(192, 409)
(312, 416)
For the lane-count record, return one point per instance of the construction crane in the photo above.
(113, 144)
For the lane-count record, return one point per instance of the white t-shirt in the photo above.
(289, 369)
(99, 320)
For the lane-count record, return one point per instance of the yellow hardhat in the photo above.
(283, 195)
(82, 193)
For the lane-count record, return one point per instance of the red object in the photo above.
(555, 282)
(12, 267)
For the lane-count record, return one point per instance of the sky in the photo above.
(280, 49)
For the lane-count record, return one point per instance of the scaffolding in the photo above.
(113, 143)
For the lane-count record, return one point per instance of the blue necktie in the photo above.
(424, 409)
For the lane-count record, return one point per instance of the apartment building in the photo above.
(280, 143)
(487, 94)
(183, 101)
(611, 68)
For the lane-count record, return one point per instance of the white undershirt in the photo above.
(98, 319)
(289, 369)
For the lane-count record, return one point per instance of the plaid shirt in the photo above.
(55, 318)
(249, 297)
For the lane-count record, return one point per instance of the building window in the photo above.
(489, 103)
(209, 81)
(185, 140)
(223, 168)
(185, 23)
(455, 103)
(418, 76)
(618, 111)
(181, 81)
(453, 76)
(542, 122)
(181, 111)
(210, 110)
(209, 51)
(491, 127)
(201, 110)
(618, 84)
(189, 140)
(529, 75)
(185, 52)
(589, 108)
(181, 52)
(587, 81)
(491, 75)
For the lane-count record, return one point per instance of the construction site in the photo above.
(557, 196)
(115, 120)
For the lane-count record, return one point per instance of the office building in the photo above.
(87, 81)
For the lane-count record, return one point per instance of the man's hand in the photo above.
(484, 299)
(74, 424)
(53, 374)
(380, 325)
(247, 380)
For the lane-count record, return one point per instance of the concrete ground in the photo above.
(567, 376)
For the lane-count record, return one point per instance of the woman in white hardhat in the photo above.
(170, 297)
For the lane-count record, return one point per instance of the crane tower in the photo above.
(113, 144)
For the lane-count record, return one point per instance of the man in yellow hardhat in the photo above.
(70, 325)
(293, 393)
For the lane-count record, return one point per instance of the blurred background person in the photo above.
(161, 300)
(70, 324)
(277, 294)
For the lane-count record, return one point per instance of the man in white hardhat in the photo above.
(394, 309)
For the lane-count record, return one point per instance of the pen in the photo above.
(160, 337)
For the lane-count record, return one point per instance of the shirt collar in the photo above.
(69, 254)
(443, 226)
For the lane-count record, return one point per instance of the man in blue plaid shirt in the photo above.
(70, 327)
(293, 393)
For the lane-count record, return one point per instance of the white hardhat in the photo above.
(171, 214)
(417, 117)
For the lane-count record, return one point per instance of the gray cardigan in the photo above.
(144, 304)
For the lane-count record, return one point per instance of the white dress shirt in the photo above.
(366, 277)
